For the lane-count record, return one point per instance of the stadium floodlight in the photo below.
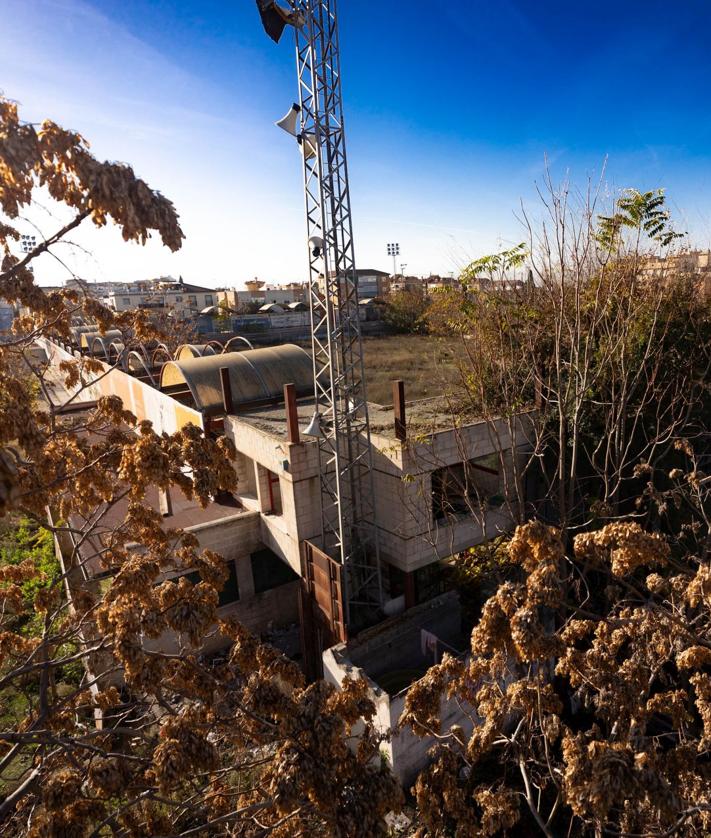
(394, 251)
(27, 243)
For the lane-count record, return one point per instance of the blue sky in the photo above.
(450, 110)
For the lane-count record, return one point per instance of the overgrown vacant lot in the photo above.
(428, 365)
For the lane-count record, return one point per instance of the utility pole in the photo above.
(341, 423)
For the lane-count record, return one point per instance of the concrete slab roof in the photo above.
(423, 416)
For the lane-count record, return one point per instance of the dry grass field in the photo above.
(426, 364)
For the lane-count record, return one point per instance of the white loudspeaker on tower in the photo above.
(314, 426)
(290, 121)
(308, 145)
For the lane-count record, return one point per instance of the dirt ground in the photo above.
(427, 365)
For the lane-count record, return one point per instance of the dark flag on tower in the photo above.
(274, 18)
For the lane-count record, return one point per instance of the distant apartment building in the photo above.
(98, 290)
(279, 296)
(695, 262)
(7, 315)
(257, 291)
(435, 283)
(182, 298)
(413, 284)
(372, 283)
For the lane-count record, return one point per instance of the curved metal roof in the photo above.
(256, 375)
(87, 339)
(77, 331)
(193, 350)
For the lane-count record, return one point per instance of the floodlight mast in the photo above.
(348, 520)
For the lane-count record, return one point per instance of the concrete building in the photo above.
(98, 290)
(413, 284)
(177, 296)
(696, 263)
(7, 315)
(372, 283)
(438, 490)
(440, 283)
(260, 293)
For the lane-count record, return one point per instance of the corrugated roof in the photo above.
(193, 350)
(77, 331)
(256, 375)
(87, 339)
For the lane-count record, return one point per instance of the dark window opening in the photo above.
(458, 489)
(429, 582)
(269, 571)
(396, 581)
(230, 591)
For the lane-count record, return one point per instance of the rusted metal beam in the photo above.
(399, 409)
(292, 415)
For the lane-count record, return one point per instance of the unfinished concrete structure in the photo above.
(439, 489)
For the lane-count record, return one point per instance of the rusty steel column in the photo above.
(292, 416)
(227, 402)
(399, 409)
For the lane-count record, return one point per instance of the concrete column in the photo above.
(245, 580)
(410, 593)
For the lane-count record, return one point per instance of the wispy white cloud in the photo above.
(221, 165)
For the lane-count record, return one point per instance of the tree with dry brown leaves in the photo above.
(185, 745)
(588, 684)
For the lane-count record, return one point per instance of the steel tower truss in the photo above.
(345, 463)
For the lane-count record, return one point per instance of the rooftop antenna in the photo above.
(340, 423)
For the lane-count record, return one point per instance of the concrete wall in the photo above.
(144, 401)
(390, 646)
(235, 538)
(409, 753)
(410, 538)
(395, 644)
(295, 467)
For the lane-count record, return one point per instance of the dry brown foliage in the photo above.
(590, 690)
(236, 746)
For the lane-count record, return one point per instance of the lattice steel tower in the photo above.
(341, 421)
